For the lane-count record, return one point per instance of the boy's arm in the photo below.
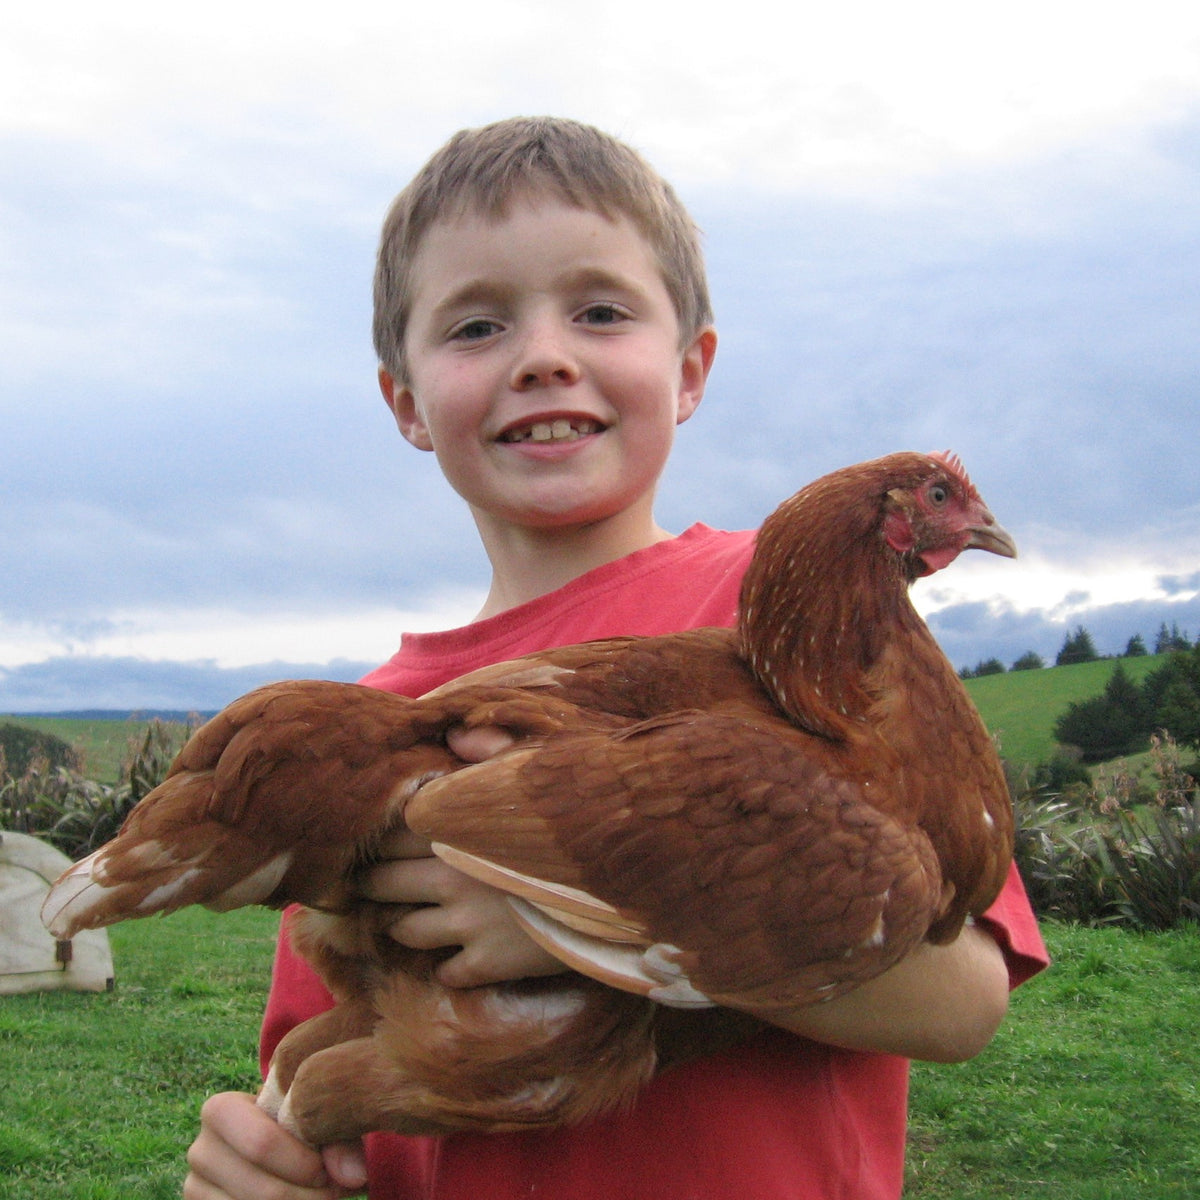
(938, 1004)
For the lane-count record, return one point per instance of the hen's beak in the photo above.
(988, 535)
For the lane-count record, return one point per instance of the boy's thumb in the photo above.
(346, 1164)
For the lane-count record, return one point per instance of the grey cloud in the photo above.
(133, 685)
(190, 414)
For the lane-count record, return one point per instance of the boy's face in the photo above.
(544, 364)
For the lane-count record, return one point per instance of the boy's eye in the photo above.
(602, 314)
(475, 329)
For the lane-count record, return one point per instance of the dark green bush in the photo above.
(1055, 851)
(1122, 852)
(21, 747)
(1116, 722)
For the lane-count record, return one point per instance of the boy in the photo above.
(543, 325)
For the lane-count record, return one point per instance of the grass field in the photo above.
(103, 745)
(1091, 1091)
(101, 1092)
(1020, 707)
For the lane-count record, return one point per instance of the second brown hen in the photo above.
(750, 819)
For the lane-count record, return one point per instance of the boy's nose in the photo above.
(543, 358)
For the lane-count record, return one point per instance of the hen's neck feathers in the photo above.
(822, 597)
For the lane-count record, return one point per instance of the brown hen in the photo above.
(751, 819)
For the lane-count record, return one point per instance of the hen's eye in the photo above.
(939, 494)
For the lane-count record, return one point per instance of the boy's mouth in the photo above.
(559, 430)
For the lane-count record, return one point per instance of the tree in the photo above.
(1029, 661)
(989, 666)
(1171, 694)
(1077, 648)
(1170, 639)
(1135, 647)
(1179, 713)
(1108, 725)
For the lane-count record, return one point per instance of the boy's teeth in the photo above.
(555, 431)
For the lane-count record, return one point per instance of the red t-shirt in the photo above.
(777, 1118)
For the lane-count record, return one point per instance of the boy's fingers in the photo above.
(498, 961)
(476, 745)
(258, 1137)
(403, 843)
(243, 1152)
(346, 1164)
(423, 880)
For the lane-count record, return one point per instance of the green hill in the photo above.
(1020, 707)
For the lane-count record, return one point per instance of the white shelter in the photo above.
(30, 958)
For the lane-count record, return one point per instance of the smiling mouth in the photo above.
(560, 430)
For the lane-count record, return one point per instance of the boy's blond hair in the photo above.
(482, 170)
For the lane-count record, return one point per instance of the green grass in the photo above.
(1020, 707)
(101, 1093)
(1091, 1090)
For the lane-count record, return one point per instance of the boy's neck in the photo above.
(529, 562)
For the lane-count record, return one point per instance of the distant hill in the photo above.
(1020, 707)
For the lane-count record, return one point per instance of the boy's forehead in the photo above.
(475, 237)
(482, 217)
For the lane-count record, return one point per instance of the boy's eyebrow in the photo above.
(475, 292)
(484, 291)
(587, 277)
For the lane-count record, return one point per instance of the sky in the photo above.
(928, 226)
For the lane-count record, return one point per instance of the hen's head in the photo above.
(935, 514)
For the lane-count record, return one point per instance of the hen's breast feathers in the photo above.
(950, 778)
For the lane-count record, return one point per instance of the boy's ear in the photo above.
(403, 405)
(697, 362)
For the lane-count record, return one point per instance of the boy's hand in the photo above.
(455, 909)
(242, 1154)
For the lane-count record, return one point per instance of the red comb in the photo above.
(953, 463)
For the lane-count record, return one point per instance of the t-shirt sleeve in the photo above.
(1011, 922)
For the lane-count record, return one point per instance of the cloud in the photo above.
(137, 685)
(860, 92)
(193, 447)
(1174, 585)
(970, 633)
